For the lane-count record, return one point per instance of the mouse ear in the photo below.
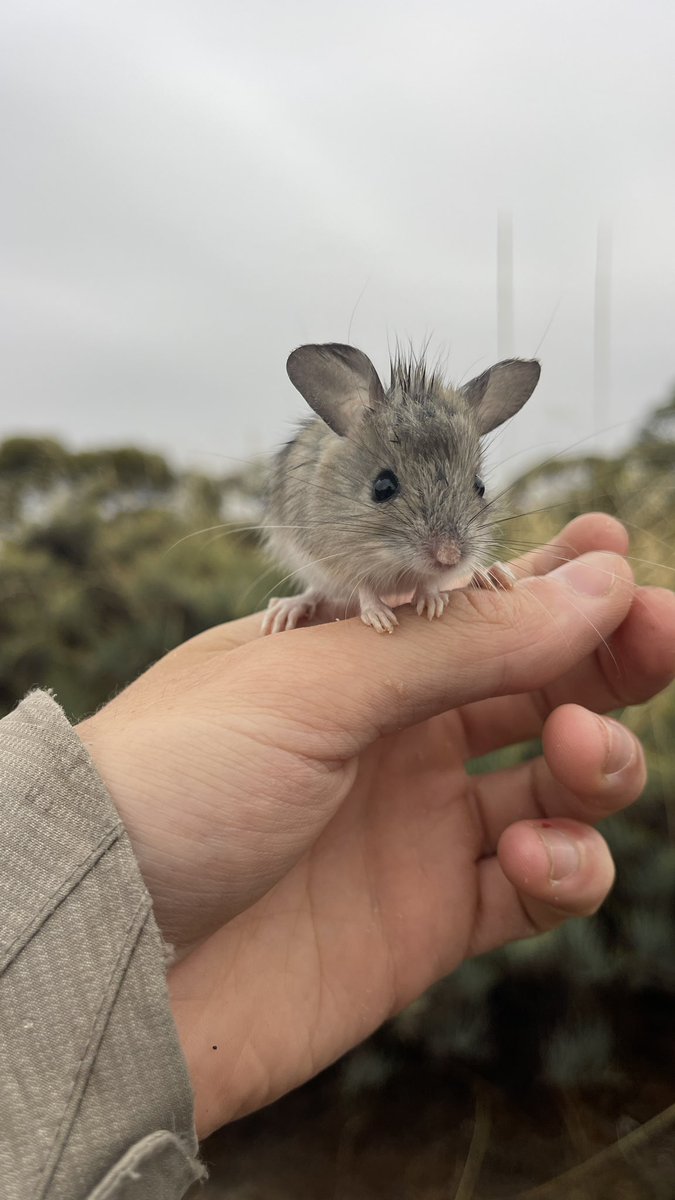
(338, 382)
(501, 391)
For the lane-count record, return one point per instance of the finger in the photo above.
(637, 662)
(485, 644)
(591, 767)
(543, 873)
(590, 531)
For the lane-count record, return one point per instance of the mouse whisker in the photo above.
(485, 576)
(299, 570)
(648, 562)
(355, 588)
(209, 529)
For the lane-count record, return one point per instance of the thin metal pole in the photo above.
(505, 338)
(602, 327)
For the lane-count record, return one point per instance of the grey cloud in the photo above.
(192, 189)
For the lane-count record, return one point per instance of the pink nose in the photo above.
(447, 552)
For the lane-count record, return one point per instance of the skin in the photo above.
(302, 816)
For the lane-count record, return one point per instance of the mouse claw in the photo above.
(498, 577)
(284, 612)
(379, 617)
(433, 603)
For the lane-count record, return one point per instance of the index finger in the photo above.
(343, 678)
(591, 531)
(636, 663)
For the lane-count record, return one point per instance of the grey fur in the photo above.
(338, 382)
(501, 391)
(321, 518)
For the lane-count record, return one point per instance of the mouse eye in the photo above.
(479, 486)
(385, 487)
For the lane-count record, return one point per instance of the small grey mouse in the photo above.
(378, 499)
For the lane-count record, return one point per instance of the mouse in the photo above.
(378, 499)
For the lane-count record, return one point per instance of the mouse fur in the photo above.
(379, 496)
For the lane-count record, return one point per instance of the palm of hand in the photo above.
(368, 901)
(402, 851)
(383, 832)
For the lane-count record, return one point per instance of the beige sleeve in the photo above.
(95, 1100)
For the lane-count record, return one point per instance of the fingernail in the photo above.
(562, 853)
(586, 578)
(621, 747)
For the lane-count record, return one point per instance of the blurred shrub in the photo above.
(103, 568)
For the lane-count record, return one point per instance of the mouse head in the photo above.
(405, 462)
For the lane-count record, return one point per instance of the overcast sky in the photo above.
(192, 188)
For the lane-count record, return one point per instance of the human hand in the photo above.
(314, 784)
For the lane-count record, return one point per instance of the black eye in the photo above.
(385, 487)
(479, 486)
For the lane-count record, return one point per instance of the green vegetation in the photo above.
(109, 558)
(102, 567)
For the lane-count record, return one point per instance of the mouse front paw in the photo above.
(377, 614)
(432, 602)
(284, 612)
(498, 577)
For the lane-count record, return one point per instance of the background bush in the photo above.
(109, 558)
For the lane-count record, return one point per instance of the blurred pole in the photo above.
(601, 330)
(504, 285)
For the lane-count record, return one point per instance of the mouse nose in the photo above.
(447, 551)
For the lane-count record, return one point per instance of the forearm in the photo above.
(94, 1095)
